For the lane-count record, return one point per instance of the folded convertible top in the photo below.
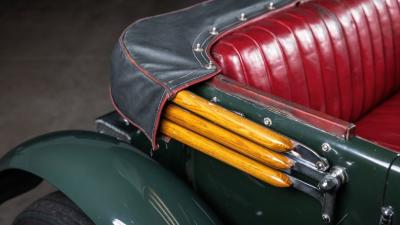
(158, 56)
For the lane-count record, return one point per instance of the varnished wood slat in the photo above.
(232, 158)
(233, 122)
(235, 142)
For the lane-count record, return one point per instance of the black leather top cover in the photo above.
(155, 57)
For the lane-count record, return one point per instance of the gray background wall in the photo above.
(54, 68)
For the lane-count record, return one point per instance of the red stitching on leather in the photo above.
(134, 63)
(123, 115)
(132, 60)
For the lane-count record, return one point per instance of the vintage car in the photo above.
(234, 112)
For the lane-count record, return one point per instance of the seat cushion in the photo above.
(341, 57)
(382, 125)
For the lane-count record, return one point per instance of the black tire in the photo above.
(53, 209)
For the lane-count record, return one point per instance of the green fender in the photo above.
(112, 182)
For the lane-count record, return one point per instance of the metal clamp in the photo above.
(325, 191)
(387, 213)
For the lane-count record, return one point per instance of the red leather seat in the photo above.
(341, 57)
(382, 124)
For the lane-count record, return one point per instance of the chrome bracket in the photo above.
(387, 213)
(327, 180)
(308, 162)
(309, 155)
(325, 191)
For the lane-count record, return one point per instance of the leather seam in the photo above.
(319, 53)
(233, 47)
(383, 48)
(374, 96)
(301, 53)
(283, 55)
(336, 66)
(349, 57)
(363, 107)
(259, 48)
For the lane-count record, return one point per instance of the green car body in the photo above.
(115, 182)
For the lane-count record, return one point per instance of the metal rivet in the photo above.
(210, 66)
(387, 214)
(243, 17)
(326, 218)
(198, 48)
(267, 122)
(271, 5)
(324, 184)
(321, 166)
(126, 122)
(326, 147)
(214, 31)
(387, 211)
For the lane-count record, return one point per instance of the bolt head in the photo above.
(271, 5)
(267, 122)
(214, 31)
(326, 147)
(198, 48)
(214, 99)
(243, 17)
(326, 218)
(321, 166)
(210, 66)
(387, 211)
(324, 184)
(126, 122)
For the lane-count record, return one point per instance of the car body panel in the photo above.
(238, 198)
(111, 181)
(359, 201)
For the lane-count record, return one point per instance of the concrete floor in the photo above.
(54, 68)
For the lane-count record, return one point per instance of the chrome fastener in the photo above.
(271, 5)
(210, 66)
(243, 17)
(267, 122)
(321, 166)
(326, 147)
(326, 218)
(126, 122)
(387, 214)
(198, 48)
(214, 31)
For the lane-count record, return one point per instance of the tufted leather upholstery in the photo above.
(341, 57)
